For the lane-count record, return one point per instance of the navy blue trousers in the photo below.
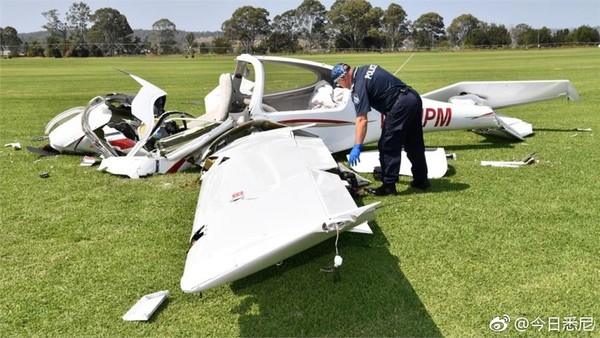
(402, 128)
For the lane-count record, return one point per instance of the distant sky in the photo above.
(208, 15)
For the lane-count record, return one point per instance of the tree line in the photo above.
(348, 24)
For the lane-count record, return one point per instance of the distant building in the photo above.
(6, 52)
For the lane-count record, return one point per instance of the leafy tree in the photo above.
(376, 37)
(247, 24)
(221, 45)
(586, 34)
(165, 32)
(53, 47)
(9, 40)
(78, 19)
(460, 28)
(286, 30)
(476, 37)
(544, 36)
(111, 29)
(57, 38)
(279, 42)
(562, 36)
(428, 29)
(35, 49)
(520, 34)
(487, 35)
(523, 35)
(55, 26)
(395, 24)
(312, 17)
(498, 35)
(352, 20)
(138, 46)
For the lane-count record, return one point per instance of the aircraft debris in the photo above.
(145, 307)
(14, 145)
(529, 159)
(88, 161)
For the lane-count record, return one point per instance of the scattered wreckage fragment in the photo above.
(527, 160)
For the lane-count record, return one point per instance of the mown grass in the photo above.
(79, 248)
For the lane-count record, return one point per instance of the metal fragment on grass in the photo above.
(14, 145)
(145, 307)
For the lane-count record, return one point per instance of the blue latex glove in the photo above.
(354, 158)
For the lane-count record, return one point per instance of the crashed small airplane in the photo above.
(137, 137)
(260, 145)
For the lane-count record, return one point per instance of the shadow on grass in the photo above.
(368, 295)
(437, 186)
(451, 171)
(496, 144)
(565, 130)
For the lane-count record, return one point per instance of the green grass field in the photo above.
(79, 248)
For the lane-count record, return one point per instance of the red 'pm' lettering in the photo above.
(442, 119)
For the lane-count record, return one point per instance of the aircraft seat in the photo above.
(218, 101)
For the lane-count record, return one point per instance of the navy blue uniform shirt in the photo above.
(374, 87)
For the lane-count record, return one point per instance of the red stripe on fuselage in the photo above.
(175, 167)
(318, 121)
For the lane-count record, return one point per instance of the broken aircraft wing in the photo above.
(501, 94)
(266, 196)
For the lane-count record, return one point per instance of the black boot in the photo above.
(383, 190)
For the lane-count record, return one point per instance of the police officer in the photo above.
(374, 87)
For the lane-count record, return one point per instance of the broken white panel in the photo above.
(437, 163)
(14, 145)
(509, 164)
(88, 161)
(145, 307)
(506, 164)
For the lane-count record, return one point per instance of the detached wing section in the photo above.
(265, 198)
(501, 94)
